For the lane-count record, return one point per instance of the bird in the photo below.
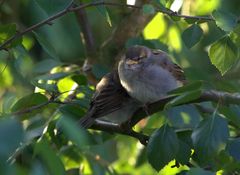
(143, 76)
(148, 75)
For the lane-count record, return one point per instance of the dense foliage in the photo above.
(45, 85)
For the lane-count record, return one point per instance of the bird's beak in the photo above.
(131, 62)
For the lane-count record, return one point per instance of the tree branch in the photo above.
(126, 129)
(214, 96)
(115, 128)
(86, 31)
(92, 4)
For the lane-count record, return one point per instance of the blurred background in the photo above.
(50, 59)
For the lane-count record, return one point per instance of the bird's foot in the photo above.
(146, 109)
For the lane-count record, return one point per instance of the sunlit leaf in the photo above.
(225, 20)
(103, 10)
(45, 86)
(66, 84)
(162, 147)
(223, 54)
(209, 138)
(7, 31)
(192, 35)
(155, 28)
(71, 157)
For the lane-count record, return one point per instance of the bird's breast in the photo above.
(148, 85)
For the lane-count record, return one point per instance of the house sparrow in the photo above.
(148, 75)
(144, 76)
(110, 102)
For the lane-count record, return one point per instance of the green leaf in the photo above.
(29, 101)
(184, 153)
(46, 45)
(23, 62)
(45, 86)
(232, 112)
(141, 157)
(184, 116)
(46, 65)
(11, 134)
(55, 76)
(209, 138)
(225, 20)
(162, 147)
(233, 148)
(148, 9)
(76, 134)
(71, 157)
(196, 85)
(191, 20)
(199, 171)
(223, 54)
(7, 31)
(175, 18)
(192, 35)
(49, 157)
(73, 111)
(184, 98)
(80, 79)
(52, 6)
(103, 11)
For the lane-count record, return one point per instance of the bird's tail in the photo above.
(86, 121)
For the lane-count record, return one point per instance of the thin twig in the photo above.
(30, 109)
(214, 96)
(92, 4)
(115, 128)
(86, 31)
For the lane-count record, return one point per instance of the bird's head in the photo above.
(136, 56)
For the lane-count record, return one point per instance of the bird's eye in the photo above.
(142, 55)
(155, 52)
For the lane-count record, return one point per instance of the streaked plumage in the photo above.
(143, 76)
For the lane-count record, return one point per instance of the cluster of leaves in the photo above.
(40, 73)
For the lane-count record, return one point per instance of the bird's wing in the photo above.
(166, 63)
(177, 72)
(109, 96)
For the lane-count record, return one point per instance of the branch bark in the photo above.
(214, 96)
(92, 4)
